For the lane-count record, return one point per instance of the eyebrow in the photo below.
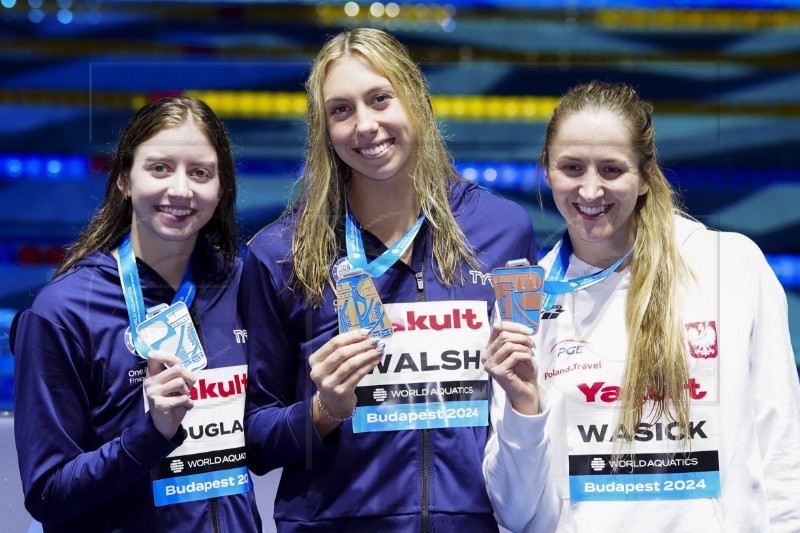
(386, 87)
(157, 159)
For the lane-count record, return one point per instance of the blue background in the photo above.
(723, 77)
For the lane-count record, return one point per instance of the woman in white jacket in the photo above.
(664, 394)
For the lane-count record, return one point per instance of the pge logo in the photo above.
(569, 348)
(702, 337)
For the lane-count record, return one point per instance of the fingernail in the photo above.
(527, 330)
(374, 340)
(364, 332)
(380, 346)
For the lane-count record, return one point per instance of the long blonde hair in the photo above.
(655, 366)
(320, 199)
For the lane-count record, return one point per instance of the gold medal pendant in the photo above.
(359, 305)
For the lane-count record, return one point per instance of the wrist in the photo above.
(326, 411)
(528, 406)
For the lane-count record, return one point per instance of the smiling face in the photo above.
(174, 189)
(368, 126)
(594, 173)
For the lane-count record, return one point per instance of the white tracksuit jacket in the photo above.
(743, 470)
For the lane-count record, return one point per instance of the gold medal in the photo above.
(359, 305)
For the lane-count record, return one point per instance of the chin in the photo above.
(179, 237)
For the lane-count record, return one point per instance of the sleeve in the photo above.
(516, 467)
(776, 397)
(279, 428)
(64, 471)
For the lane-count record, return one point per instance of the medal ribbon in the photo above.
(355, 246)
(132, 290)
(555, 284)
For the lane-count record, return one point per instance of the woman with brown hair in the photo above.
(112, 434)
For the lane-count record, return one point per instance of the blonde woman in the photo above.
(378, 183)
(666, 386)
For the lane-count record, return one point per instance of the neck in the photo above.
(602, 254)
(387, 209)
(170, 262)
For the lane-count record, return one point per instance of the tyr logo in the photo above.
(484, 278)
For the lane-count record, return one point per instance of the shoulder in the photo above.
(471, 202)
(73, 299)
(273, 243)
(496, 228)
(92, 278)
(269, 254)
(485, 215)
(212, 268)
(700, 242)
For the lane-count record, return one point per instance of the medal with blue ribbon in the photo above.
(358, 302)
(132, 291)
(555, 284)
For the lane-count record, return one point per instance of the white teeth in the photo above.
(174, 211)
(592, 210)
(375, 150)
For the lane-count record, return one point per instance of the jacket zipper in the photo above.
(426, 444)
(214, 516)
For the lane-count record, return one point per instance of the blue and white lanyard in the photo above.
(132, 290)
(555, 284)
(355, 246)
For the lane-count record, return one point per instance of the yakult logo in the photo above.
(455, 319)
(205, 389)
(600, 392)
(702, 337)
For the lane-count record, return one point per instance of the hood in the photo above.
(208, 266)
(99, 259)
(685, 228)
(461, 198)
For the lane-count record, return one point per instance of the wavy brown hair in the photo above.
(113, 217)
(655, 366)
(320, 199)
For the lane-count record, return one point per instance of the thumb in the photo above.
(158, 361)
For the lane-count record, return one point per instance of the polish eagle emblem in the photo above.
(702, 338)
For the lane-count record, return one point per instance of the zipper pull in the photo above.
(420, 284)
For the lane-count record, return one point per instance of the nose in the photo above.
(366, 122)
(591, 186)
(180, 186)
